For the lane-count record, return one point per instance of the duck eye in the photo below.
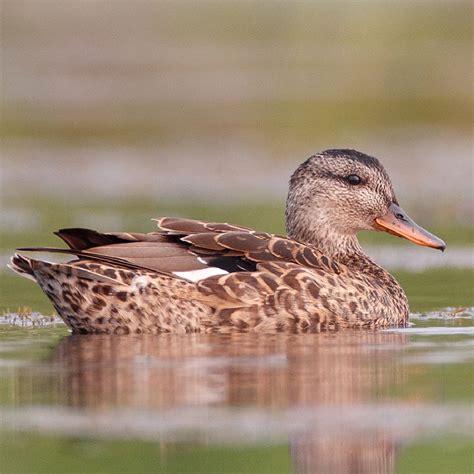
(353, 179)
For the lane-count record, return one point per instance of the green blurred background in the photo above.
(162, 101)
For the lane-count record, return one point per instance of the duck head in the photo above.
(337, 193)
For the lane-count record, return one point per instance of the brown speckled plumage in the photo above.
(316, 279)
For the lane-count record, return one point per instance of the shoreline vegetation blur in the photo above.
(296, 72)
(230, 101)
(27, 223)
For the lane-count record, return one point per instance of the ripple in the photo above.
(247, 425)
(434, 331)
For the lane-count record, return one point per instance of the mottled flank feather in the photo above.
(121, 283)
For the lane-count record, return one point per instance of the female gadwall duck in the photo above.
(195, 276)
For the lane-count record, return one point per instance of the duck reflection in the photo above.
(268, 372)
(373, 453)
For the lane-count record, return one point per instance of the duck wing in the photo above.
(244, 243)
(191, 249)
(290, 286)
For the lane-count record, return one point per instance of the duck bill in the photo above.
(397, 222)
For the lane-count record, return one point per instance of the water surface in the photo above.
(354, 401)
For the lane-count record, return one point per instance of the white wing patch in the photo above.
(140, 282)
(196, 275)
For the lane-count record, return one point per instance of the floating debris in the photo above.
(449, 313)
(26, 318)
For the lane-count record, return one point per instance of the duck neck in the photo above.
(317, 230)
(342, 248)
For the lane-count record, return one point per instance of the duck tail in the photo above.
(23, 266)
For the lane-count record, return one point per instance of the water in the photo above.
(354, 401)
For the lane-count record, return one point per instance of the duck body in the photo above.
(194, 276)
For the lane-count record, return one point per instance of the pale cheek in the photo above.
(374, 205)
(366, 209)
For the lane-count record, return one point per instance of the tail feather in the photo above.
(22, 265)
(33, 269)
(86, 255)
(99, 298)
(83, 239)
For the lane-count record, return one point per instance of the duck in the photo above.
(193, 276)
